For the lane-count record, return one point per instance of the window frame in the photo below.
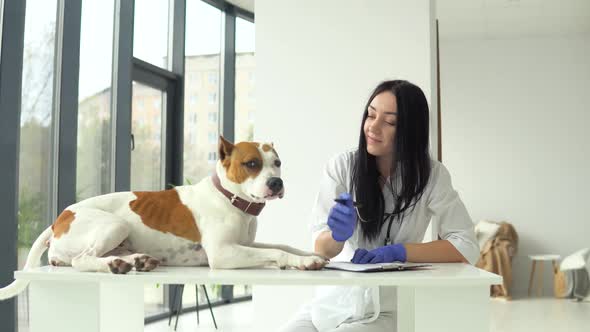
(125, 70)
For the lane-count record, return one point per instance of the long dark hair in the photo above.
(411, 159)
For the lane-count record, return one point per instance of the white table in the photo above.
(448, 297)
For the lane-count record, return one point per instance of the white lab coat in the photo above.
(335, 305)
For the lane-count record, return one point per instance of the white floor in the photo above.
(540, 314)
(520, 315)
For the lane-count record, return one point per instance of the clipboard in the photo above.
(380, 267)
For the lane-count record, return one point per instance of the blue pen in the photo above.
(356, 207)
(343, 201)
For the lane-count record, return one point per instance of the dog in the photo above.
(210, 223)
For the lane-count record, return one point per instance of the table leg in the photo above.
(540, 280)
(86, 306)
(443, 308)
(553, 279)
(532, 276)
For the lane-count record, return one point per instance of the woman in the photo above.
(398, 188)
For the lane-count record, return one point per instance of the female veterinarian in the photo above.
(398, 188)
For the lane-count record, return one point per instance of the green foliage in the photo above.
(30, 218)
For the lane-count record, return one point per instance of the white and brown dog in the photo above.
(211, 223)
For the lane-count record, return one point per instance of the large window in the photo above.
(35, 162)
(125, 95)
(94, 109)
(245, 102)
(202, 63)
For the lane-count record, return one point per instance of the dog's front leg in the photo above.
(286, 248)
(252, 235)
(235, 256)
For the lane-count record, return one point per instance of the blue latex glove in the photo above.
(342, 218)
(385, 254)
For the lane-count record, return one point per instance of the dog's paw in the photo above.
(57, 262)
(313, 262)
(119, 266)
(145, 263)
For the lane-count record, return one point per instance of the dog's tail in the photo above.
(33, 260)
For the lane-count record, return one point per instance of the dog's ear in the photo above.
(225, 148)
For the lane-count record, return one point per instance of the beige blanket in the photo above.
(496, 257)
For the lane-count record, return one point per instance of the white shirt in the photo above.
(439, 200)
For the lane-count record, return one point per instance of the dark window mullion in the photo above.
(150, 78)
(154, 70)
(11, 67)
(243, 14)
(65, 117)
(121, 95)
(228, 66)
(228, 89)
(175, 115)
(228, 7)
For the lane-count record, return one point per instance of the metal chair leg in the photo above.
(181, 290)
(173, 310)
(197, 301)
(210, 309)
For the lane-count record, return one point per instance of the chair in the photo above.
(177, 304)
(539, 259)
(575, 270)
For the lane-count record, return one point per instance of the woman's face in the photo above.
(380, 124)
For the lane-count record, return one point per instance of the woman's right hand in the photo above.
(342, 218)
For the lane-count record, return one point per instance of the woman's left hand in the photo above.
(385, 254)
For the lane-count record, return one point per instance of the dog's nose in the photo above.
(275, 184)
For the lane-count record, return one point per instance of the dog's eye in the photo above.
(277, 163)
(251, 164)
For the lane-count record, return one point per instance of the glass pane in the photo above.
(146, 129)
(245, 102)
(94, 109)
(213, 291)
(34, 212)
(201, 103)
(189, 296)
(242, 290)
(150, 31)
(153, 295)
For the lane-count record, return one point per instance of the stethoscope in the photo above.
(386, 217)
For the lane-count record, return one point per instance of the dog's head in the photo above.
(254, 167)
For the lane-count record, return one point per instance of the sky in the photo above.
(203, 34)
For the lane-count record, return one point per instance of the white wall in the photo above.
(317, 63)
(515, 119)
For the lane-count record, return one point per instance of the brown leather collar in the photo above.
(242, 204)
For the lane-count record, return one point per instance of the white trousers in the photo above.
(302, 323)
